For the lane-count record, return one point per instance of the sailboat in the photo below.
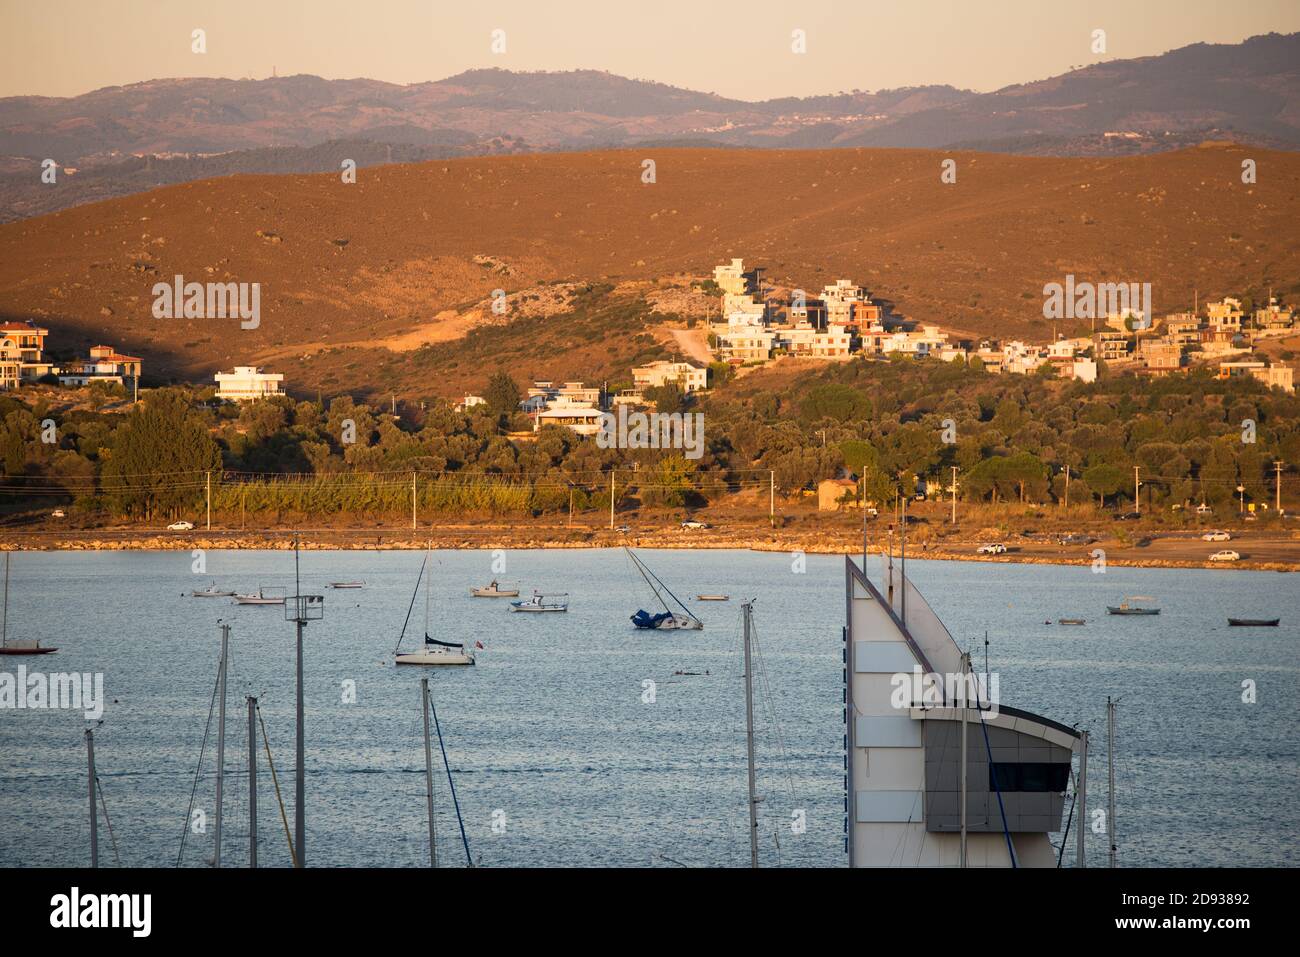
(434, 652)
(666, 620)
(21, 646)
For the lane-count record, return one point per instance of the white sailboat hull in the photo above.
(436, 658)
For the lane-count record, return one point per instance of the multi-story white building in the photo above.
(688, 377)
(248, 384)
(105, 364)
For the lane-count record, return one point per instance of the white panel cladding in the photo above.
(888, 807)
(894, 731)
(892, 657)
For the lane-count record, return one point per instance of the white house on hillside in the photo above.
(248, 383)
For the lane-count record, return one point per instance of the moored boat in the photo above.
(494, 590)
(351, 584)
(212, 591)
(1128, 606)
(538, 604)
(1070, 621)
(433, 651)
(713, 598)
(1254, 622)
(19, 646)
(666, 620)
(263, 596)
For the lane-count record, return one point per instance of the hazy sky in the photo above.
(735, 49)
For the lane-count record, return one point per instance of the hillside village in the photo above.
(756, 325)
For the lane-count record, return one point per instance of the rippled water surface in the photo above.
(550, 738)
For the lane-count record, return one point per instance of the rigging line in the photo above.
(284, 818)
(414, 595)
(997, 788)
(451, 783)
(185, 830)
(770, 702)
(689, 614)
(1069, 820)
(99, 786)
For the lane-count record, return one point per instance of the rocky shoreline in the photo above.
(505, 538)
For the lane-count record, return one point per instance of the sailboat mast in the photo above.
(428, 772)
(4, 617)
(1110, 769)
(428, 552)
(221, 738)
(94, 817)
(642, 569)
(747, 608)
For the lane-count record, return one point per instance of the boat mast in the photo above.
(94, 818)
(748, 611)
(4, 617)
(428, 772)
(965, 671)
(1110, 770)
(427, 554)
(221, 737)
(252, 781)
(1082, 800)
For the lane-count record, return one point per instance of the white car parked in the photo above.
(1227, 555)
(1216, 537)
(180, 527)
(57, 513)
(694, 524)
(995, 548)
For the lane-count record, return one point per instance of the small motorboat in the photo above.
(1069, 621)
(713, 598)
(538, 604)
(212, 591)
(1254, 622)
(494, 590)
(1127, 606)
(355, 584)
(261, 597)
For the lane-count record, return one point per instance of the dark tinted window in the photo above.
(1005, 776)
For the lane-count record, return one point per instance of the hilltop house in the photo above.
(22, 353)
(105, 364)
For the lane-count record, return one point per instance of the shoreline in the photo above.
(1276, 554)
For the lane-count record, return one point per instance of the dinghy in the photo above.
(355, 584)
(1254, 622)
(666, 620)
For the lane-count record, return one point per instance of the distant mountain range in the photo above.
(121, 140)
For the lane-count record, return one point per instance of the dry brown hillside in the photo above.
(409, 253)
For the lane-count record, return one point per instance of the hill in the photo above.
(367, 287)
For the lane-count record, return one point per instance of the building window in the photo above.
(1005, 776)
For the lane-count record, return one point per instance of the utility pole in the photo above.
(428, 771)
(94, 817)
(1137, 495)
(1067, 486)
(954, 494)
(221, 737)
(1277, 478)
(771, 502)
(570, 505)
(748, 610)
(413, 519)
(1110, 770)
(1081, 799)
(209, 496)
(252, 781)
(611, 499)
(305, 608)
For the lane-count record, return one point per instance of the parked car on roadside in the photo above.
(57, 513)
(1128, 516)
(1227, 555)
(1204, 509)
(692, 524)
(993, 548)
(1216, 536)
(180, 527)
